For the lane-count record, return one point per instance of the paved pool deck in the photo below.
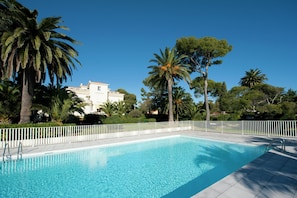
(273, 175)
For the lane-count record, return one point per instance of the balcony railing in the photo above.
(66, 134)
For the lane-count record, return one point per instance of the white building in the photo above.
(95, 94)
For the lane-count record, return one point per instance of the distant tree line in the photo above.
(252, 99)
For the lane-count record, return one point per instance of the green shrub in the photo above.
(115, 119)
(28, 125)
(136, 113)
(93, 119)
(72, 119)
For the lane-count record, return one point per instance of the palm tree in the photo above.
(30, 49)
(252, 78)
(60, 110)
(57, 101)
(182, 102)
(108, 108)
(120, 108)
(169, 68)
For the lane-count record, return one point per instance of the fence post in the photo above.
(268, 127)
(242, 127)
(1, 136)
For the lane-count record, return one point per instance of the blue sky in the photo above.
(118, 38)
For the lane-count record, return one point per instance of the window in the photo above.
(98, 88)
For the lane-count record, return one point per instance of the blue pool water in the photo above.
(170, 167)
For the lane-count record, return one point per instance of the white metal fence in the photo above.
(66, 134)
(273, 128)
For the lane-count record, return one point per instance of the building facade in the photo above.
(95, 94)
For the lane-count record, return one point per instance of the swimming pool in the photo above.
(169, 167)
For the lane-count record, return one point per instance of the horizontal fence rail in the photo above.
(66, 134)
(35, 136)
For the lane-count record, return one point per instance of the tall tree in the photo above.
(252, 77)
(129, 100)
(146, 104)
(157, 97)
(203, 53)
(214, 89)
(291, 96)
(168, 69)
(30, 49)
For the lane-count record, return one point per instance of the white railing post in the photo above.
(268, 127)
(242, 127)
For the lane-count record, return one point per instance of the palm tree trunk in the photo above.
(27, 96)
(170, 106)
